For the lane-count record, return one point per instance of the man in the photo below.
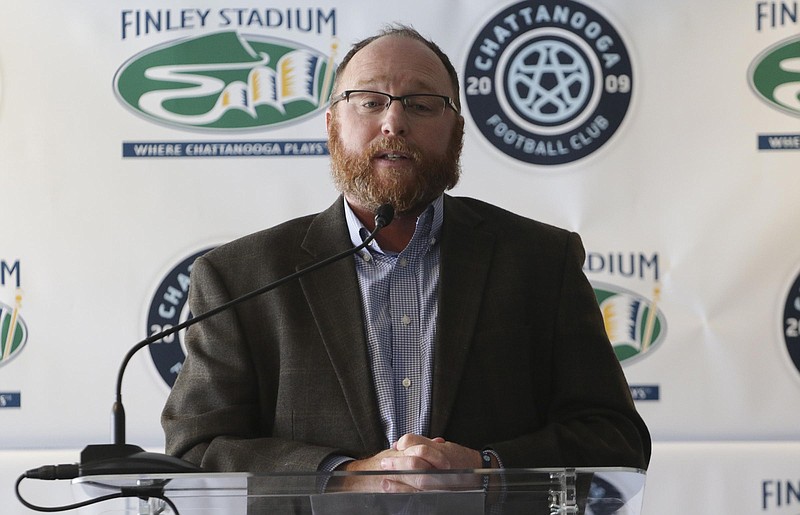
(467, 337)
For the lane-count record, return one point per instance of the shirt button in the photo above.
(406, 382)
(403, 262)
(406, 319)
(433, 241)
(367, 256)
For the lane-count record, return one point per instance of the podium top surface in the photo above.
(588, 491)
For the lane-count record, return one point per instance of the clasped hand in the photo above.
(412, 453)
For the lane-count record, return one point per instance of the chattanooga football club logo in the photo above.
(548, 82)
(775, 76)
(13, 331)
(634, 324)
(791, 323)
(168, 309)
(226, 81)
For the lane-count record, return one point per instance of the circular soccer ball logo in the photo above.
(169, 308)
(548, 83)
(791, 323)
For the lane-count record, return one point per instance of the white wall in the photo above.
(90, 235)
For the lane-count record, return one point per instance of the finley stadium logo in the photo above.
(775, 76)
(226, 81)
(634, 324)
(13, 331)
(169, 308)
(548, 82)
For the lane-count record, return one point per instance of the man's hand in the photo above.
(411, 452)
(420, 453)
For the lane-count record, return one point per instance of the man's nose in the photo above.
(395, 120)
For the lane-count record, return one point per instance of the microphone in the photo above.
(383, 216)
(122, 458)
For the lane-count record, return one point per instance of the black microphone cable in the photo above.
(71, 471)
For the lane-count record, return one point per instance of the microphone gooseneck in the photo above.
(108, 458)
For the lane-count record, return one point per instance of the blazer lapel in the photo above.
(334, 298)
(465, 256)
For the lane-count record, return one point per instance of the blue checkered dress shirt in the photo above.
(399, 295)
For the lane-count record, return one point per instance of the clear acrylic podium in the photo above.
(581, 491)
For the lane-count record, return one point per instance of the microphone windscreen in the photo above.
(384, 215)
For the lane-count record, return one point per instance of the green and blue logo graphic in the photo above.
(13, 331)
(634, 323)
(226, 81)
(775, 76)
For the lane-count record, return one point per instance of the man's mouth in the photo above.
(392, 156)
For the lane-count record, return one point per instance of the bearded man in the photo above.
(464, 337)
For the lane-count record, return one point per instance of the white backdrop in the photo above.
(683, 215)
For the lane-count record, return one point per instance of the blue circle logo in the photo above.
(791, 323)
(548, 83)
(169, 308)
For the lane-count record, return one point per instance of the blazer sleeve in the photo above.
(216, 415)
(586, 414)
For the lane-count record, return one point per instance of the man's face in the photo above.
(393, 156)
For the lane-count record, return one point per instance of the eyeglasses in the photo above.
(421, 105)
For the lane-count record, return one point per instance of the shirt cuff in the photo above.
(330, 463)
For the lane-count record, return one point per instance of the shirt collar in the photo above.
(358, 232)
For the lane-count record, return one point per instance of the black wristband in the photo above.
(486, 459)
(486, 462)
